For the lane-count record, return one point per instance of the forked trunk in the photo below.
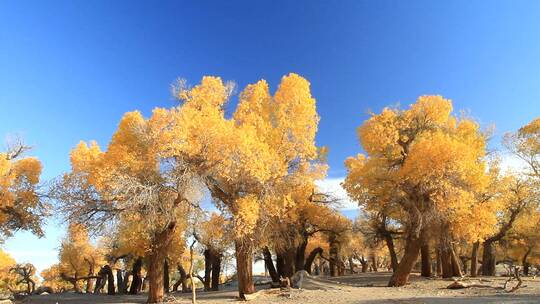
(156, 261)
(412, 249)
(244, 262)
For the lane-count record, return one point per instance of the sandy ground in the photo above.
(363, 288)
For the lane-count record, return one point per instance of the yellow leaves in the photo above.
(296, 117)
(6, 278)
(83, 157)
(19, 201)
(246, 215)
(77, 256)
(421, 153)
(433, 109)
(28, 168)
(210, 93)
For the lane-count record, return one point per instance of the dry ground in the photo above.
(362, 288)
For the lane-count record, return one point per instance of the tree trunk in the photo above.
(351, 265)
(183, 278)
(110, 280)
(464, 260)
(144, 284)
(207, 269)
(439, 261)
(301, 255)
(524, 262)
(426, 260)
(89, 285)
(136, 280)
(446, 261)
(374, 267)
(334, 256)
(166, 279)
(270, 264)
(412, 249)
(365, 264)
(244, 267)
(160, 245)
(311, 257)
(216, 271)
(286, 262)
(119, 280)
(456, 267)
(100, 282)
(474, 259)
(280, 264)
(193, 287)
(76, 286)
(488, 259)
(392, 251)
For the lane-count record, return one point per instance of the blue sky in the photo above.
(70, 69)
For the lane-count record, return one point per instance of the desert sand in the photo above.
(360, 288)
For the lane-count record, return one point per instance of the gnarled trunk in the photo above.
(400, 277)
(156, 260)
(136, 281)
(244, 267)
(270, 264)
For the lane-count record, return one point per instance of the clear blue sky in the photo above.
(70, 69)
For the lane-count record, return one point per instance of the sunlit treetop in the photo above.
(421, 154)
